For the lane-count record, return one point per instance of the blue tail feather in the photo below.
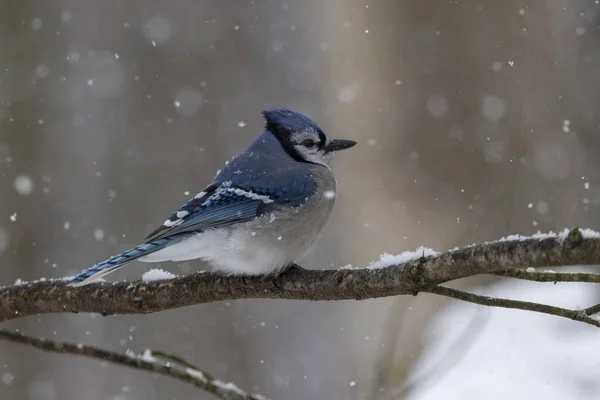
(118, 261)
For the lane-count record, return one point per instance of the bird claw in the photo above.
(293, 267)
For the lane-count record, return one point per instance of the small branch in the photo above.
(581, 316)
(146, 362)
(177, 360)
(595, 309)
(550, 276)
(409, 278)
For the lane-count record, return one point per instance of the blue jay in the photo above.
(261, 213)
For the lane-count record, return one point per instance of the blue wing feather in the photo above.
(221, 207)
(270, 182)
(111, 264)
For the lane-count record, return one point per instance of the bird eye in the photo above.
(308, 143)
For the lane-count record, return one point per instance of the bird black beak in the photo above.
(338, 144)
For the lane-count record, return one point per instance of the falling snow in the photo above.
(437, 105)
(98, 234)
(4, 239)
(157, 30)
(109, 114)
(24, 185)
(347, 94)
(188, 101)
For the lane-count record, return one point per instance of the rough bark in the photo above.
(412, 277)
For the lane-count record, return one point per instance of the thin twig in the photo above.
(553, 277)
(177, 360)
(581, 316)
(147, 362)
(595, 309)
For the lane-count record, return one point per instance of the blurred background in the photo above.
(474, 120)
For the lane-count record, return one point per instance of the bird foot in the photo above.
(291, 267)
(283, 272)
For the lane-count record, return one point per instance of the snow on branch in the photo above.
(409, 273)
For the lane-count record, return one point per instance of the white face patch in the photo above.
(308, 145)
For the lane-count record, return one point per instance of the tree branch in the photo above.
(147, 361)
(416, 275)
(575, 315)
(550, 276)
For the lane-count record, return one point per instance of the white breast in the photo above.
(264, 245)
(235, 251)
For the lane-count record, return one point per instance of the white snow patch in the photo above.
(145, 356)
(157, 274)
(20, 282)
(589, 233)
(562, 235)
(229, 386)
(586, 233)
(194, 373)
(387, 260)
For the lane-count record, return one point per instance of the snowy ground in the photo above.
(518, 354)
